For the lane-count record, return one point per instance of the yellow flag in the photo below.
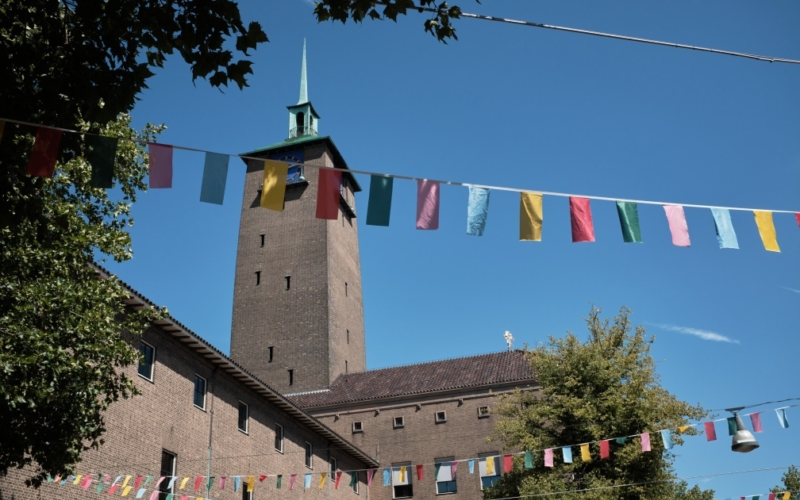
(683, 428)
(274, 189)
(77, 479)
(125, 482)
(251, 482)
(126, 490)
(767, 230)
(490, 466)
(786, 496)
(530, 217)
(585, 455)
(183, 482)
(322, 480)
(402, 477)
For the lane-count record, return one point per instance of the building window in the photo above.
(334, 466)
(401, 481)
(483, 411)
(398, 422)
(345, 366)
(168, 463)
(288, 282)
(244, 417)
(271, 353)
(246, 495)
(200, 392)
(345, 289)
(441, 417)
(358, 427)
(279, 438)
(445, 481)
(487, 479)
(291, 376)
(309, 455)
(258, 277)
(348, 336)
(147, 360)
(262, 240)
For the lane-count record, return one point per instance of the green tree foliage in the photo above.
(604, 387)
(80, 64)
(791, 483)
(439, 24)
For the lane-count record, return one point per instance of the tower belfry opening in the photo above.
(302, 115)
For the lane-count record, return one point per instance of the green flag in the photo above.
(353, 479)
(380, 200)
(210, 482)
(629, 220)
(732, 426)
(102, 160)
(529, 460)
(278, 484)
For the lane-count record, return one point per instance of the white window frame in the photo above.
(402, 423)
(446, 473)
(205, 391)
(440, 420)
(482, 465)
(282, 435)
(309, 458)
(152, 363)
(246, 429)
(358, 427)
(172, 473)
(396, 481)
(334, 466)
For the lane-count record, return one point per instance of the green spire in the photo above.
(303, 80)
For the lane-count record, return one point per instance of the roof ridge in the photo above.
(432, 362)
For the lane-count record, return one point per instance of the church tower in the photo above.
(298, 318)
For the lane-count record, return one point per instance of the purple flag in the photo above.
(160, 165)
(755, 419)
(427, 204)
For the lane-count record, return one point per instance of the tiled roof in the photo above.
(473, 371)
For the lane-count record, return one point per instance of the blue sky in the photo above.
(539, 110)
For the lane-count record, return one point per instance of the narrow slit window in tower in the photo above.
(345, 289)
(291, 377)
(271, 353)
(348, 336)
(288, 282)
(345, 366)
(262, 240)
(258, 277)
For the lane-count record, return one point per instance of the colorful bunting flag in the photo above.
(387, 477)
(273, 190)
(508, 464)
(186, 480)
(529, 459)
(726, 236)
(307, 481)
(158, 483)
(785, 496)
(477, 210)
(329, 194)
(154, 495)
(137, 482)
(292, 480)
(732, 428)
(379, 207)
(471, 466)
(677, 225)
(711, 432)
(604, 449)
(766, 229)
(683, 428)
(78, 478)
(278, 480)
(42, 162)
(197, 482)
(215, 177)
(322, 478)
(427, 204)
(645, 438)
(781, 412)
(530, 217)
(419, 471)
(251, 483)
(755, 419)
(140, 493)
(101, 158)
(353, 479)
(797, 218)
(113, 489)
(160, 165)
(490, 466)
(666, 437)
(622, 440)
(147, 481)
(370, 474)
(126, 490)
(586, 456)
(566, 453)
(236, 481)
(453, 469)
(100, 487)
(222, 480)
(629, 221)
(436, 467)
(402, 476)
(262, 477)
(210, 483)
(580, 214)
(548, 459)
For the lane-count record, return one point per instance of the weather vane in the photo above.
(509, 339)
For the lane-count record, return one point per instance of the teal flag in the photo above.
(726, 236)
(629, 220)
(353, 478)
(622, 440)
(477, 210)
(529, 460)
(732, 426)
(379, 207)
(215, 175)
(278, 483)
(210, 482)
(101, 158)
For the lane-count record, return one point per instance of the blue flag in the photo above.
(307, 481)
(215, 175)
(567, 452)
(387, 477)
(477, 210)
(471, 466)
(666, 436)
(726, 236)
(782, 417)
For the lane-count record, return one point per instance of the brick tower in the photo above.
(298, 318)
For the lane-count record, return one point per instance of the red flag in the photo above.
(580, 213)
(711, 432)
(330, 181)
(338, 478)
(507, 463)
(137, 482)
(755, 419)
(797, 216)
(113, 489)
(604, 452)
(45, 151)
(370, 473)
(197, 483)
(261, 478)
(160, 165)
(419, 472)
(771, 496)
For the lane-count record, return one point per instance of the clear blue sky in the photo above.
(541, 110)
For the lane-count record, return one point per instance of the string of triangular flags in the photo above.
(531, 216)
(492, 465)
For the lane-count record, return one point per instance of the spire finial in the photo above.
(303, 78)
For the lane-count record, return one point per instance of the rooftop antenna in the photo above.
(509, 339)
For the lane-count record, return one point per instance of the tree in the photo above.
(603, 388)
(791, 483)
(80, 64)
(438, 25)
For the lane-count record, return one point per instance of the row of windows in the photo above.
(439, 417)
(402, 481)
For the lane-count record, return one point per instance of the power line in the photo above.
(611, 35)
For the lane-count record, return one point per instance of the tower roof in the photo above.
(303, 79)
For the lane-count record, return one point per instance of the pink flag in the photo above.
(328, 194)
(338, 478)
(160, 165)
(107, 478)
(604, 451)
(154, 495)
(86, 483)
(508, 464)
(677, 225)
(113, 489)
(158, 482)
(184, 497)
(222, 482)
(453, 467)
(292, 479)
(370, 473)
(645, 441)
(427, 204)
(711, 432)
(548, 457)
(42, 162)
(755, 419)
(198, 482)
(580, 213)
